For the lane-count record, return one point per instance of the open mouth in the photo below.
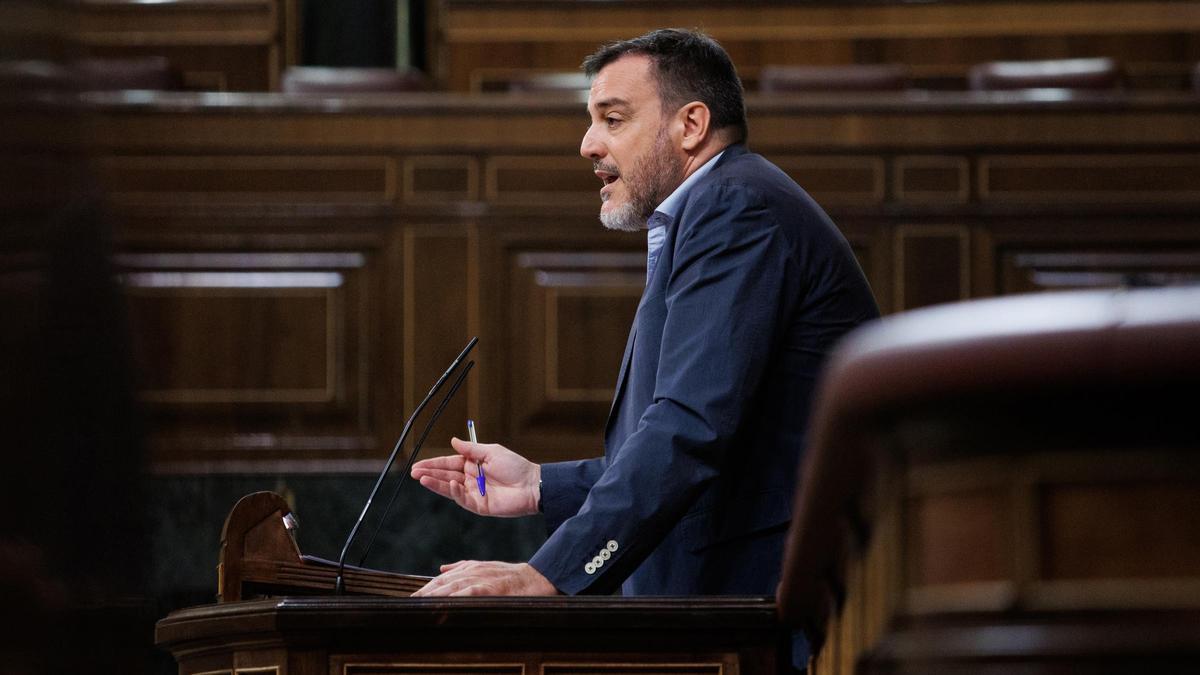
(607, 174)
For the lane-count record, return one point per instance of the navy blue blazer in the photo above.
(694, 492)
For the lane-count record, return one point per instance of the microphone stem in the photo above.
(339, 582)
(437, 412)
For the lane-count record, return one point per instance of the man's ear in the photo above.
(695, 117)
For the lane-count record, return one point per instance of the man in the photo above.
(749, 284)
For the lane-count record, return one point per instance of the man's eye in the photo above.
(612, 121)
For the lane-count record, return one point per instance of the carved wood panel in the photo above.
(260, 353)
(569, 311)
(156, 179)
(440, 315)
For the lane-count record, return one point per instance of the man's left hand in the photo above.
(485, 577)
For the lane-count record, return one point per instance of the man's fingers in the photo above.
(444, 583)
(472, 452)
(446, 462)
(441, 487)
(442, 475)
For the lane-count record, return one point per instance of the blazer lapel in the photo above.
(620, 389)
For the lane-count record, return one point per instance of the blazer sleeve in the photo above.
(725, 301)
(564, 487)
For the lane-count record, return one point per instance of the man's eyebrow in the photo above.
(606, 103)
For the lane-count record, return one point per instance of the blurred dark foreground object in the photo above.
(72, 536)
(1006, 485)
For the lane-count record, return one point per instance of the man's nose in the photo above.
(590, 147)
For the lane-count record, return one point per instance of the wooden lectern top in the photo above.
(259, 556)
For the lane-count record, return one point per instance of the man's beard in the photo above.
(648, 183)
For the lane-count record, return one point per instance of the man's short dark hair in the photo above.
(690, 66)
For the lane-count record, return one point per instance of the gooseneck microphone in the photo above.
(339, 585)
(437, 412)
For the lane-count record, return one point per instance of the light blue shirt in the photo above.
(656, 226)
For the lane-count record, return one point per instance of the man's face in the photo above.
(630, 144)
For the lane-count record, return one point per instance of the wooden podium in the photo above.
(494, 636)
(306, 630)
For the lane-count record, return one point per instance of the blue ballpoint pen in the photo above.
(480, 480)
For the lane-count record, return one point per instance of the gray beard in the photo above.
(624, 219)
(657, 178)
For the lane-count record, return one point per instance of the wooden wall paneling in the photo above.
(985, 279)
(833, 180)
(546, 180)
(1103, 534)
(932, 179)
(1130, 532)
(886, 551)
(569, 304)
(262, 175)
(1089, 178)
(1071, 267)
(34, 30)
(1072, 252)
(290, 28)
(645, 664)
(277, 658)
(253, 355)
(132, 180)
(441, 315)
(440, 179)
(408, 665)
(853, 616)
(932, 265)
(1155, 568)
(959, 534)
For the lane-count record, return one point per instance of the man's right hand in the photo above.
(512, 481)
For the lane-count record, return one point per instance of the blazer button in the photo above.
(598, 562)
(605, 553)
(611, 546)
(590, 568)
